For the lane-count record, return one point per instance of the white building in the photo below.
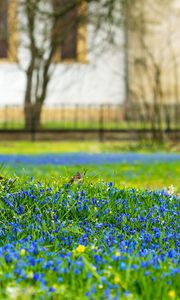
(96, 76)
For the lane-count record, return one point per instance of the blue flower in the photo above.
(146, 273)
(122, 265)
(52, 289)
(39, 277)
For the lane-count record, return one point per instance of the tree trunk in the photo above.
(32, 116)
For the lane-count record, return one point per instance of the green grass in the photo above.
(154, 176)
(144, 176)
(90, 239)
(27, 147)
(86, 241)
(117, 123)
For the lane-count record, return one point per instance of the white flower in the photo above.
(171, 190)
(12, 292)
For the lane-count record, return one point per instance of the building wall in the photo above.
(98, 80)
(154, 64)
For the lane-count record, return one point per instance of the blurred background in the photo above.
(76, 69)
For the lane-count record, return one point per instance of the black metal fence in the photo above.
(66, 116)
(94, 117)
(151, 121)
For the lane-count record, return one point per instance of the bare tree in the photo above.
(45, 33)
(47, 26)
(151, 58)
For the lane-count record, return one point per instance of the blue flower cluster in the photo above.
(85, 158)
(87, 241)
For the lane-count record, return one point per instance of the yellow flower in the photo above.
(117, 253)
(30, 274)
(22, 252)
(55, 286)
(80, 249)
(93, 247)
(117, 279)
(172, 294)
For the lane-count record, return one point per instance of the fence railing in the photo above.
(66, 116)
(102, 116)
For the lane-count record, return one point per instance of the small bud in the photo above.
(22, 252)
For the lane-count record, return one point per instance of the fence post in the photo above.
(33, 129)
(101, 124)
(76, 107)
(6, 117)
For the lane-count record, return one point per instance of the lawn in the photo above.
(111, 235)
(144, 171)
(27, 147)
(87, 241)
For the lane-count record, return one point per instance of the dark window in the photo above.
(3, 29)
(67, 28)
